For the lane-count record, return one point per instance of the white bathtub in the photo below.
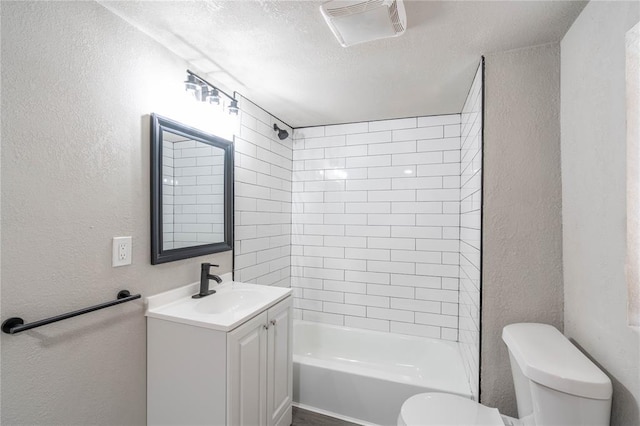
(365, 376)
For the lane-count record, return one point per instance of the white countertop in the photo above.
(231, 305)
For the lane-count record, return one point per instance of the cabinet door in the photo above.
(280, 364)
(247, 373)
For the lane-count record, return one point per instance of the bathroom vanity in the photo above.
(225, 359)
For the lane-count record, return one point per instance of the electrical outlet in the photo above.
(121, 255)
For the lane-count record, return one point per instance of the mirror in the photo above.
(191, 192)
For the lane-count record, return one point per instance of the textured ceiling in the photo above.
(282, 55)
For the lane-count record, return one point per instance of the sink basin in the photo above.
(231, 305)
(229, 301)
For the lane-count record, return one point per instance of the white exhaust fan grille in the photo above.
(359, 21)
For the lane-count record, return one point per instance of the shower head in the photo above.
(282, 134)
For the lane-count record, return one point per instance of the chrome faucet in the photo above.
(205, 276)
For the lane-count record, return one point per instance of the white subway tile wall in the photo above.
(193, 193)
(263, 175)
(376, 225)
(198, 194)
(470, 224)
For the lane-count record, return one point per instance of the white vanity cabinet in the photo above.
(259, 369)
(240, 374)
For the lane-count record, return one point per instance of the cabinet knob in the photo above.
(265, 326)
(273, 322)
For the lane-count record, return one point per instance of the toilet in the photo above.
(555, 384)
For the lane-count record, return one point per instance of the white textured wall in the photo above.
(263, 166)
(77, 87)
(522, 232)
(376, 225)
(167, 195)
(1, 312)
(632, 72)
(594, 198)
(470, 224)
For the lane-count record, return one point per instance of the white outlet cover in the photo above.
(121, 253)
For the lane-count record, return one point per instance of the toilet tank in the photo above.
(554, 380)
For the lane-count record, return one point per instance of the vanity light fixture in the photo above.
(207, 92)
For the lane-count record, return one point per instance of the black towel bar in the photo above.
(16, 325)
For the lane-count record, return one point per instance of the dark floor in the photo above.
(309, 418)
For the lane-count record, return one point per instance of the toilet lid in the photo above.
(439, 409)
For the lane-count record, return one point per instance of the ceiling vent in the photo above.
(359, 21)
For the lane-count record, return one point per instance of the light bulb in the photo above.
(192, 86)
(213, 96)
(233, 107)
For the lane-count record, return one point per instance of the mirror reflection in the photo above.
(191, 192)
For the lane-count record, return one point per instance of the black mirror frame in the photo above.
(158, 254)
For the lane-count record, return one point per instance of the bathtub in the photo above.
(364, 376)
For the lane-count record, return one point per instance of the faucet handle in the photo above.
(206, 266)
